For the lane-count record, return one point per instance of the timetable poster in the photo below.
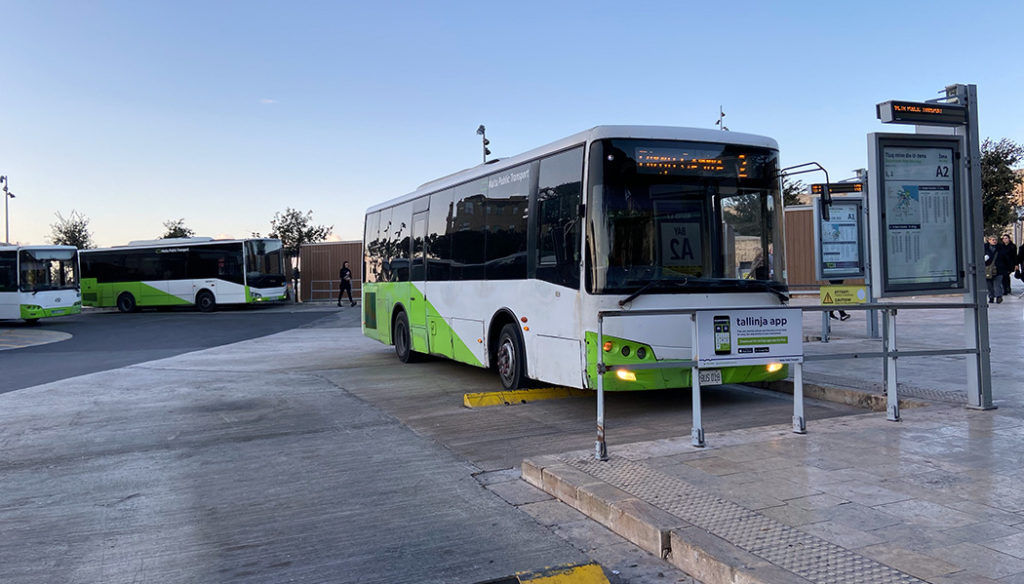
(920, 220)
(840, 240)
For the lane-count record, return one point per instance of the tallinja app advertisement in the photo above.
(749, 337)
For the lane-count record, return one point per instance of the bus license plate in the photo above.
(710, 376)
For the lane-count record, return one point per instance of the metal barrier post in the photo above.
(799, 424)
(826, 327)
(697, 430)
(600, 448)
(892, 407)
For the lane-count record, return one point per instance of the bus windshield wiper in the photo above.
(648, 286)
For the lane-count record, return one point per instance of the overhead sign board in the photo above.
(921, 113)
(839, 247)
(916, 214)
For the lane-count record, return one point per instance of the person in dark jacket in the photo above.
(992, 279)
(1005, 257)
(346, 284)
(1009, 257)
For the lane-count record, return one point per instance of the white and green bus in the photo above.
(38, 281)
(198, 271)
(507, 264)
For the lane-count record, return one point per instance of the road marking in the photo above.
(585, 574)
(518, 396)
(21, 338)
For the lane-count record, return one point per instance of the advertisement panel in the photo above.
(749, 336)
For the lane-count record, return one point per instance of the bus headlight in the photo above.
(625, 375)
(773, 367)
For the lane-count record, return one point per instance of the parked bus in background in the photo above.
(198, 271)
(38, 281)
(507, 264)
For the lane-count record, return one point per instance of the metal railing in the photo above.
(890, 353)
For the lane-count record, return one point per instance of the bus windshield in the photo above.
(264, 262)
(48, 269)
(683, 216)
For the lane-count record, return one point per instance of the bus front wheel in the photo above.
(205, 301)
(510, 358)
(126, 302)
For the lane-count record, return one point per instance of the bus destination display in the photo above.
(677, 161)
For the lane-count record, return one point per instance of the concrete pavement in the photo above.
(937, 497)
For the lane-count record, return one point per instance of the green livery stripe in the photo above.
(33, 312)
(430, 332)
(669, 377)
(105, 295)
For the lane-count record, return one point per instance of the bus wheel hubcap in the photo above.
(506, 359)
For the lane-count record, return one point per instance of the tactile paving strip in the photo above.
(806, 555)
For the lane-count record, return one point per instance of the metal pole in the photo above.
(697, 430)
(892, 403)
(872, 315)
(979, 370)
(826, 326)
(7, 218)
(600, 448)
(799, 423)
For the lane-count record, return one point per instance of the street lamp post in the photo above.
(7, 217)
(482, 132)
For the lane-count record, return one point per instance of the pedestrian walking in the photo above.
(843, 315)
(1009, 259)
(346, 284)
(993, 281)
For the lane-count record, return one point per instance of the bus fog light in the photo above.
(773, 367)
(625, 375)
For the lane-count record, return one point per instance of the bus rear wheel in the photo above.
(510, 360)
(126, 302)
(402, 339)
(205, 301)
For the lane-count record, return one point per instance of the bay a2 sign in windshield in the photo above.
(751, 336)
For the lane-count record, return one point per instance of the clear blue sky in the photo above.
(223, 113)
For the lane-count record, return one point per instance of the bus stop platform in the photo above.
(936, 497)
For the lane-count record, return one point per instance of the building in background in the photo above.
(321, 264)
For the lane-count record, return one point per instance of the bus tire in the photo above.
(510, 358)
(403, 339)
(205, 301)
(126, 302)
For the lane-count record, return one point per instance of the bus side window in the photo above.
(559, 194)
(8, 271)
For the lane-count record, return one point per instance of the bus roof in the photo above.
(587, 136)
(40, 246)
(176, 242)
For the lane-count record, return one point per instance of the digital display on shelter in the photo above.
(919, 221)
(840, 240)
(909, 112)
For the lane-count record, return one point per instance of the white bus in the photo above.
(38, 281)
(198, 271)
(507, 264)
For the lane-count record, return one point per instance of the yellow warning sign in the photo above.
(844, 294)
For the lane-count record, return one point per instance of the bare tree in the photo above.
(176, 228)
(73, 230)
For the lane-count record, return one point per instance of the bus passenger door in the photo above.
(418, 277)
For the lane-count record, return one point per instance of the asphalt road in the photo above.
(103, 340)
(310, 455)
